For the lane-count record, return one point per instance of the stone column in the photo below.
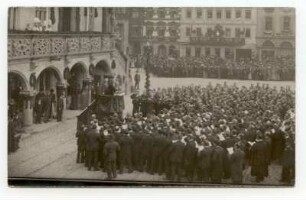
(87, 85)
(28, 97)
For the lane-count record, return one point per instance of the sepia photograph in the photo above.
(151, 96)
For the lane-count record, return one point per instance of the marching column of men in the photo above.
(206, 138)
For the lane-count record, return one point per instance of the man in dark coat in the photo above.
(92, 147)
(277, 145)
(47, 108)
(137, 80)
(176, 158)
(111, 150)
(81, 144)
(60, 107)
(204, 164)
(39, 106)
(259, 159)
(110, 90)
(190, 156)
(217, 159)
(237, 165)
(288, 164)
(125, 156)
(146, 152)
(136, 103)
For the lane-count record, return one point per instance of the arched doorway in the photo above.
(16, 84)
(47, 80)
(102, 71)
(268, 50)
(286, 49)
(162, 51)
(77, 90)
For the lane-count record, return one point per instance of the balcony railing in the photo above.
(217, 41)
(35, 45)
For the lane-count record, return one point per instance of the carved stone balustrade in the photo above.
(35, 45)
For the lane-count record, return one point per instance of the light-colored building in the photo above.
(276, 32)
(65, 49)
(225, 32)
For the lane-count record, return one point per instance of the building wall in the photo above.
(203, 22)
(277, 36)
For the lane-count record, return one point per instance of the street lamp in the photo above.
(147, 54)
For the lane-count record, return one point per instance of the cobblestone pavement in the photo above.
(49, 150)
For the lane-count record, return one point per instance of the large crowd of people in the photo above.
(193, 133)
(281, 68)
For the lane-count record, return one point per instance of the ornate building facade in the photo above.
(276, 32)
(161, 29)
(65, 49)
(224, 32)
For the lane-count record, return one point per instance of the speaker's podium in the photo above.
(102, 106)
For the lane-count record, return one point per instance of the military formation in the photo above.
(277, 69)
(213, 134)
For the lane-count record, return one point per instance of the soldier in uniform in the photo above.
(111, 150)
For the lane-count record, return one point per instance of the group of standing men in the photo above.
(214, 135)
(47, 106)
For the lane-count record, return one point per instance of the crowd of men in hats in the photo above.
(281, 68)
(208, 134)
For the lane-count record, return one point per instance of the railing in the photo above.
(217, 41)
(32, 45)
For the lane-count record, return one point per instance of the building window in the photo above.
(248, 14)
(135, 31)
(135, 14)
(199, 32)
(188, 30)
(149, 31)
(248, 33)
(237, 32)
(209, 14)
(238, 14)
(219, 14)
(207, 51)
(173, 13)
(209, 32)
(41, 13)
(188, 51)
(198, 52)
(286, 25)
(217, 52)
(199, 13)
(161, 32)
(228, 14)
(268, 23)
(161, 13)
(227, 53)
(188, 13)
(228, 32)
(173, 33)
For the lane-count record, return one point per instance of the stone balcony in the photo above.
(217, 41)
(36, 45)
